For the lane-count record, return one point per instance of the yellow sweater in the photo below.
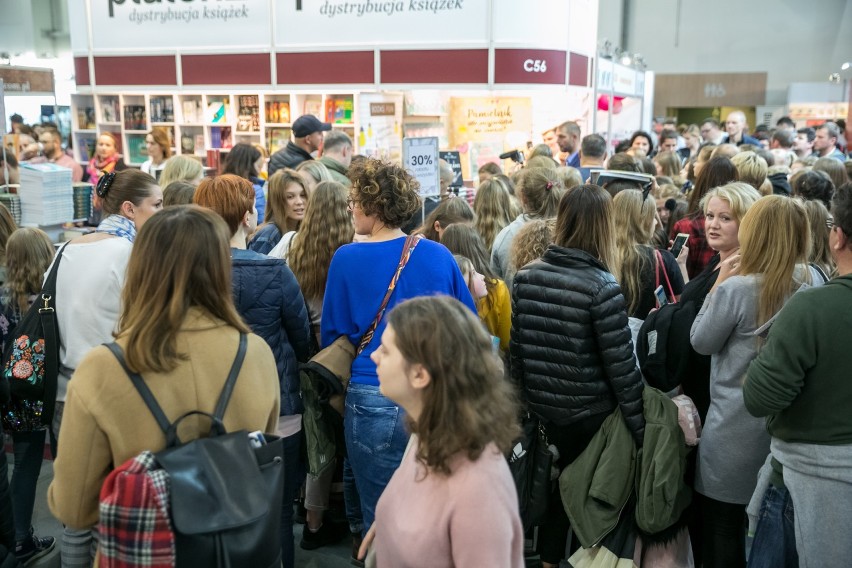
(105, 421)
(498, 316)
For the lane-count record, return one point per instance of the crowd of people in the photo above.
(537, 299)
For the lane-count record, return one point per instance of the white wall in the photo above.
(16, 26)
(792, 40)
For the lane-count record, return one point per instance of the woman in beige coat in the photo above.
(180, 331)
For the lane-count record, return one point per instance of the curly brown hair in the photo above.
(386, 190)
(468, 403)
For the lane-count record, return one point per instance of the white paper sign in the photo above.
(421, 159)
(144, 25)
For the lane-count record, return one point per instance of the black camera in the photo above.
(514, 155)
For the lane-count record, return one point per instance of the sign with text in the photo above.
(27, 80)
(382, 109)
(529, 66)
(380, 133)
(454, 160)
(157, 25)
(324, 23)
(421, 159)
(624, 80)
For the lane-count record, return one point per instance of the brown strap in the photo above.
(407, 248)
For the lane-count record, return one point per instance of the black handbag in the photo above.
(31, 361)
(225, 495)
(530, 463)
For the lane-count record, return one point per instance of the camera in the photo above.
(514, 155)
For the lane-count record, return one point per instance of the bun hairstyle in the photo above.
(115, 188)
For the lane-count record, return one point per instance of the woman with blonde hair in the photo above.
(571, 348)
(179, 329)
(751, 287)
(327, 227)
(449, 211)
(285, 209)
(570, 177)
(540, 191)
(29, 252)
(530, 243)
(495, 309)
(668, 164)
(820, 222)
(182, 168)
(494, 208)
(453, 488)
(313, 172)
(643, 267)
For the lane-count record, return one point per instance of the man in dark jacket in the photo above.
(735, 125)
(307, 138)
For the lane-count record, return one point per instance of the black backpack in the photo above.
(663, 347)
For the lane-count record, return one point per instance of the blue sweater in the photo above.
(358, 279)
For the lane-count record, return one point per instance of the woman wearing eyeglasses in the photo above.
(382, 199)
(571, 349)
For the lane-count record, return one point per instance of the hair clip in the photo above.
(549, 185)
(104, 184)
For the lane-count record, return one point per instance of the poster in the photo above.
(421, 159)
(481, 128)
(380, 131)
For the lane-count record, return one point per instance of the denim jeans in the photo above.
(774, 544)
(352, 500)
(375, 441)
(293, 477)
(29, 453)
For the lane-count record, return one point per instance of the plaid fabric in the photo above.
(134, 528)
(700, 252)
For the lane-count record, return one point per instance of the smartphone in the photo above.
(662, 300)
(679, 241)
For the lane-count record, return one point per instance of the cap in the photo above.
(308, 124)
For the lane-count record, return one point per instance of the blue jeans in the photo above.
(774, 544)
(352, 500)
(29, 453)
(375, 441)
(293, 477)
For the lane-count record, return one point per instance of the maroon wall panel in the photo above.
(435, 66)
(226, 69)
(81, 71)
(136, 70)
(578, 70)
(330, 68)
(529, 66)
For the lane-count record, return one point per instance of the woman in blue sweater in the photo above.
(382, 199)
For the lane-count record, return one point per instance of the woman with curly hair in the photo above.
(383, 198)
(494, 208)
(453, 489)
(327, 227)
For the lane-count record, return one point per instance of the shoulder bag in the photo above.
(31, 360)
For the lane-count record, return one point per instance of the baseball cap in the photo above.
(308, 124)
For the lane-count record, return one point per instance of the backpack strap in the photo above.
(154, 406)
(820, 271)
(662, 266)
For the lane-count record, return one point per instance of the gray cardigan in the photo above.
(734, 444)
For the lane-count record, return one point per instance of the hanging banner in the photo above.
(421, 159)
(143, 25)
(375, 22)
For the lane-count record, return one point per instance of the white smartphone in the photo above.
(679, 241)
(662, 300)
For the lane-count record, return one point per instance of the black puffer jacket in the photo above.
(571, 351)
(288, 157)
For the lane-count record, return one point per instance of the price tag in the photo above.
(421, 159)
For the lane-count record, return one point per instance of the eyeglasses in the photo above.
(350, 202)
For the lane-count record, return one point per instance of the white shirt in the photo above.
(88, 299)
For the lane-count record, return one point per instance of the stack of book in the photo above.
(46, 194)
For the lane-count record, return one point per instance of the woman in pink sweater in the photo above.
(452, 501)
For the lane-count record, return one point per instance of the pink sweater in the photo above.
(468, 519)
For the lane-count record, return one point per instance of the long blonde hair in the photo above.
(633, 253)
(494, 208)
(29, 252)
(820, 251)
(326, 227)
(774, 237)
(181, 168)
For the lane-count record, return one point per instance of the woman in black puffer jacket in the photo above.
(571, 350)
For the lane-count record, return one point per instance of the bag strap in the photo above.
(665, 274)
(410, 242)
(49, 286)
(820, 271)
(153, 405)
(47, 316)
